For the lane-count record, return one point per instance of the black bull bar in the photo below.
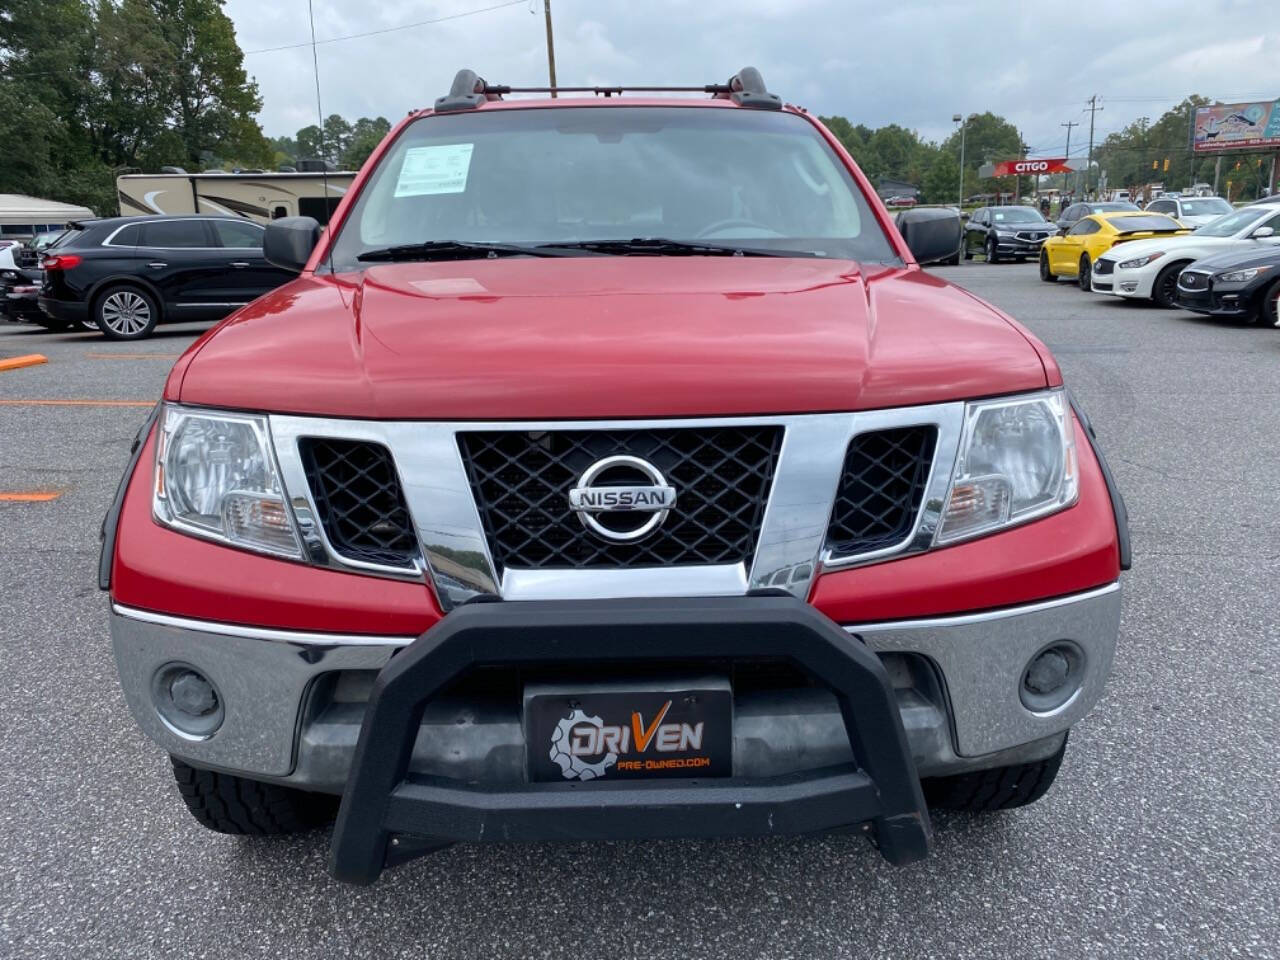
(389, 815)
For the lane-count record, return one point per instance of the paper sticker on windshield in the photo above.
(430, 170)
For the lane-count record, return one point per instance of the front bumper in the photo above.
(1135, 284)
(1018, 247)
(1214, 302)
(294, 702)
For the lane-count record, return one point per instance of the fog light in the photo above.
(1052, 677)
(1129, 286)
(187, 701)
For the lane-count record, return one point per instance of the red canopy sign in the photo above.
(1023, 168)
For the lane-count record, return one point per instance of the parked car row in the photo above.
(1229, 267)
(125, 275)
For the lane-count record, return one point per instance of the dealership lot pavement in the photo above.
(1161, 839)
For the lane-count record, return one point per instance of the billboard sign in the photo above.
(1025, 168)
(1237, 126)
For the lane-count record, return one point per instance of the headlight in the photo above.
(1241, 276)
(216, 477)
(1141, 261)
(1017, 461)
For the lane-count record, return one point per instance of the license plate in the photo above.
(629, 730)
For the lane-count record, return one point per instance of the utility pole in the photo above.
(1088, 169)
(1069, 124)
(551, 46)
(958, 118)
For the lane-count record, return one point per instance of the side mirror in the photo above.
(289, 241)
(1262, 233)
(964, 217)
(931, 234)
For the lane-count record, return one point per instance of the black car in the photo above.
(1078, 211)
(126, 274)
(1014, 232)
(1243, 286)
(18, 295)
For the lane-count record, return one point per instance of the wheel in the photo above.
(1045, 273)
(953, 260)
(968, 250)
(1000, 788)
(992, 256)
(229, 804)
(126, 313)
(1268, 314)
(1165, 290)
(1085, 276)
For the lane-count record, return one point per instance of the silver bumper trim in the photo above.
(981, 658)
(271, 730)
(261, 633)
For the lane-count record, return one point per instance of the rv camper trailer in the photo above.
(256, 196)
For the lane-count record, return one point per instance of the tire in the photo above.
(1165, 290)
(1045, 273)
(1000, 788)
(229, 804)
(126, 313)
(1268, 314)
(1085, 275)
(990, 247)
(968, 250)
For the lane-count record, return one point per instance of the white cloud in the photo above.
(914, 62)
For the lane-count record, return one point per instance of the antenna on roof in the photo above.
(324, 170)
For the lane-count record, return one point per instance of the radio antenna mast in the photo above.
(324, 149)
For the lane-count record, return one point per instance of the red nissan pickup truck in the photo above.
(612, 470)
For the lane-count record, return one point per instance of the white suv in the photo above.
(1191, 212)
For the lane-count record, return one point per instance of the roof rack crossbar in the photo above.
(745, 88)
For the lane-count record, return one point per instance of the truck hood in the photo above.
(592, 337)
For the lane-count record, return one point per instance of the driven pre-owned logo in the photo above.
(608, 490)
(578, 737)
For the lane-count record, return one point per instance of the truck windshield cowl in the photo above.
(615, 180)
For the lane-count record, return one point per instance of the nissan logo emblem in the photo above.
(617, 489)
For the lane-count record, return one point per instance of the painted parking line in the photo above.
(26, 360)
(29, 496)
(38, 402)
(134, 356)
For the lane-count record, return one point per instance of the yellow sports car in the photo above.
(1074, 254)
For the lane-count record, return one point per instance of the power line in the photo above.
(384, 30)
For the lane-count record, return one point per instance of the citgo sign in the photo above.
(1023, 168)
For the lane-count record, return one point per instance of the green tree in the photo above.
(942, 182)
(308, 143)
(337, 135)
(366, 134)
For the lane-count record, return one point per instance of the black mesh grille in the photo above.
(1104, 267)
(881, 487)
(521, 482)
(358, 497)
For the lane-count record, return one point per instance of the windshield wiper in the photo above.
(661, 246)
(460, 250)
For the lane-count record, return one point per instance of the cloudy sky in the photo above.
(913, 62)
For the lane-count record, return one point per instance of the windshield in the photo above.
(1208, 207)
(1016, 215)
(1230, 224)
(580, 174)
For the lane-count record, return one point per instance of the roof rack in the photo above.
(745, 88)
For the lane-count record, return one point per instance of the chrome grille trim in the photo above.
(455, 556)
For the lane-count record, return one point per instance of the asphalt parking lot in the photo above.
(1160, 840)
